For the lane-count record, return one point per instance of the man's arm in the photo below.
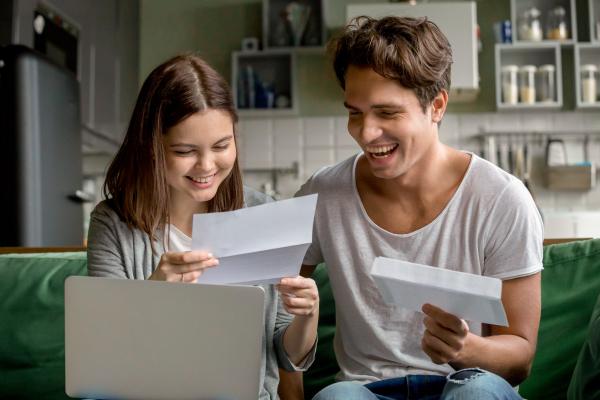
(507, 351)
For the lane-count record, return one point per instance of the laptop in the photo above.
(131, 339)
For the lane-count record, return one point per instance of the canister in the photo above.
(527, 84)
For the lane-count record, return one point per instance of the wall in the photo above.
(318, 135)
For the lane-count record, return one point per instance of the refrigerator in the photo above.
(40, 152)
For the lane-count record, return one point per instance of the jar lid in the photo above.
(559, 11)
(528, 68)
(547, 68)
(509, 68)
(589, 68)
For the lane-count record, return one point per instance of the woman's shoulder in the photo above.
(104, 210)
(253, 197)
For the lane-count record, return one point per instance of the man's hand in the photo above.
(445, 335)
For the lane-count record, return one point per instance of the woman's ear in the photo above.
(438, 106)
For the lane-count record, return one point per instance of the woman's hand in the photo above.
(299, 295)
(183, 266)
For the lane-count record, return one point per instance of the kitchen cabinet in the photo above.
(107, 61)
(293, 24)
(544, 21)
(458, 21)
(531, 54)
(587, 76)
(594, 13)
(263, 82)
(539, 40)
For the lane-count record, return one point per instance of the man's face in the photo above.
(387, 122)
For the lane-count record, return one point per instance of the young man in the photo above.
(410, 197)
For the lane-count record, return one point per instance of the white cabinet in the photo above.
(457, 20)
(536, 55)
(263, 82)
(587, 81)
(550, 21)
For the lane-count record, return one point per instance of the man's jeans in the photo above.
(466, 384)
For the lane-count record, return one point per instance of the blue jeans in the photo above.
(466, 384)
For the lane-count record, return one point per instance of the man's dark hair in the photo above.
(412, 51)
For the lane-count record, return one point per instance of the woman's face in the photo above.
(200, 154)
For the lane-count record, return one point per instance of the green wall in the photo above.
(214, 28)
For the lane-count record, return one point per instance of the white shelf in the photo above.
(518, 7)
(594, 13)
(278, 32)
(261, 80)
(586, 53)
(529, 54)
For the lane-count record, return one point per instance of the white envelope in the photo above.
(254, 245)
(468, 296)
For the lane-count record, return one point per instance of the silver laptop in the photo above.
(128, 339)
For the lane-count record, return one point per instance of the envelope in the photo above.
(256, 245)
(468, 296)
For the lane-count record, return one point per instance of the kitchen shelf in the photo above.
(263, 82)
(594, 13)
(529, 54)
(293, 24)
(519, 7)
(586, 53)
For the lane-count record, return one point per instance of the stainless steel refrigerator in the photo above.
(40, 151)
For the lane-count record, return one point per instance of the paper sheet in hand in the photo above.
(468, 296)
(260, 244)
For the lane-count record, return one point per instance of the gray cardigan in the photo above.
(116, 251)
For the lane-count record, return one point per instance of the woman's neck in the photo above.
(181, 214)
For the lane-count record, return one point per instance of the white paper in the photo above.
(468, 296)
(254, 245)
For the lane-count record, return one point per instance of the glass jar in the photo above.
(546, 83)
(530, 28)
(527, 84)
(510, 88)
(589, 75)
(556, 24)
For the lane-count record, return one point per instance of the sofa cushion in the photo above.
(585, 383)
(32, 356)
(570, 286)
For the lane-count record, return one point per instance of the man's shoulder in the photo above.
(489, 180)
(253, 197)
(330, 179)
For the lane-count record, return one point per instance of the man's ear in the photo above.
(438, 106)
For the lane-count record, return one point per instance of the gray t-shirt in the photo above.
(117, 251)
(490, 227)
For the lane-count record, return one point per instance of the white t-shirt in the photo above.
(177, 240)
(490, 227)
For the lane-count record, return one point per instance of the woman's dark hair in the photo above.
(136, 184)
(412, 51)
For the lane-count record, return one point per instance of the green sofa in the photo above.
(570, 289)
(32, 322)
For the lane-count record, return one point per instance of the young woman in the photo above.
(179, 157)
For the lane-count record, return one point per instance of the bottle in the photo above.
(588, 74)
(530, 28)
(527, 84)
(556, 24)
(545, 87)
(510, 88)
